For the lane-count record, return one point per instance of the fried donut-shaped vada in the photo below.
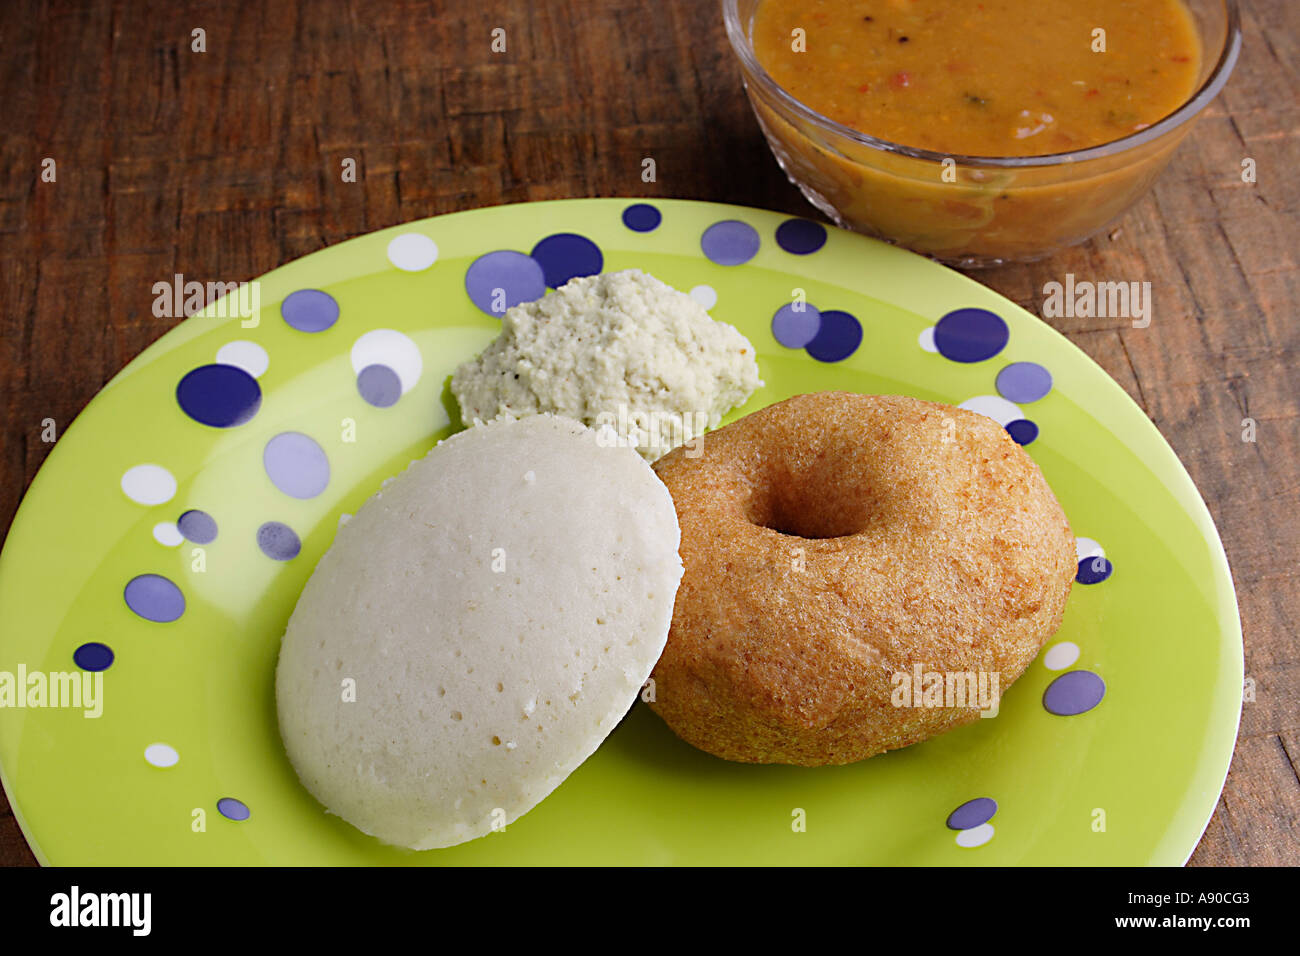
(832, 543)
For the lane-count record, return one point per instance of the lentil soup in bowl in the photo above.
(979, 132)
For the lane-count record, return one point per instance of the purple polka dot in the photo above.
(1074, 693)
(220, 396)
(197, 526)
(1023, 431)
(296, 465)
(309, 310)
(1094, 570)
(1024, 382)
(233, 809)
(567, 255)
(972, 813)
(970, 335)
(379, 385)
(838, 337)
(793, 328)
(278, 541)
(730, 242)
(642, 217)
(93, 656)
(800, 236)
(154, 598)
(501, 280)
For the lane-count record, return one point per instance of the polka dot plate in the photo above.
(161, 549)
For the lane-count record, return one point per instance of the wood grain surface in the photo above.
(224, 164)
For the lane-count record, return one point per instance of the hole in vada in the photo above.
(810, 512)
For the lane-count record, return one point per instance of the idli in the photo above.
(477, 629)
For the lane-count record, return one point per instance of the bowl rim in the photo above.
(738, 35)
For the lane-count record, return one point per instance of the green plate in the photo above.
(186, 743)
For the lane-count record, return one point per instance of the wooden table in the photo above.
(225, 163)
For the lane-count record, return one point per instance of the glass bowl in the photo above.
(973, 211)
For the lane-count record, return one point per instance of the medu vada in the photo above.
(833, 542)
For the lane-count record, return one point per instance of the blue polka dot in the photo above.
(973, 813)
(800, 236)
(642, 217)
(154, 598)
(309, 310)
(500, 280)
(567, 255)
(796, 327)
(93, 656)
(221, 396)
(970, 335)
(379, 385)
(296, 464)
(278, 541)
(838, 337)
(730, 242)
(1074, 693)
(1023, 431)
(197, 526)
(1022, 382)
(1094, 570)
(233, 809)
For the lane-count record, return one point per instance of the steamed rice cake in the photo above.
(498, 607)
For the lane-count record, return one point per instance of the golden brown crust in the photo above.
(909, 533)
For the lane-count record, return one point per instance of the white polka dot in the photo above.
(412, 252)
(161, 755)
(995, 407)
(166, 532)
(249, 356)
(705, 295)
(386, 347)
(926, 340)
(1087, 548)
(148, 484)
(975, 836)
(1061, 656)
